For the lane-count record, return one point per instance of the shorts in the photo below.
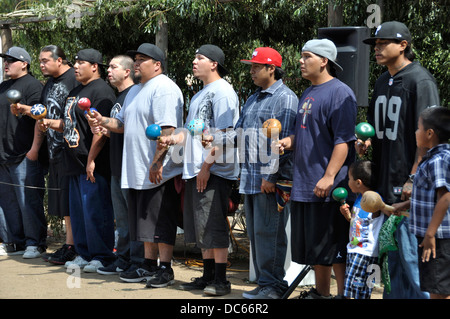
(58, 189)
(205, 214)
(435, 274)
(359, 278)
(152, 213)
(319, 234)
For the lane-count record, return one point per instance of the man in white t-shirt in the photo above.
(149, 172)
(209, 171)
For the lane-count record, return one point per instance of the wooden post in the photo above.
(6, 43)
(162, 39)
(335, 16)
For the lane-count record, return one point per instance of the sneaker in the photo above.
(195, 284)
(13, 249)
(77, 262)
(138, 273)
(63, 255)
(218, 288)
(164, 277)
(251, 293)
(111, 269)
(33, 252)
(93, 266)
(313, 294)
(263, 293)
(3, 250)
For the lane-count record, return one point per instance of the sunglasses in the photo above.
(11, 60)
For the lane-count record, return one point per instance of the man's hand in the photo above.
(267, 187)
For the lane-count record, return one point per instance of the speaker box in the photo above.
(353, 55)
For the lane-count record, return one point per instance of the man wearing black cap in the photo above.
(22, 219)
(208, 182)
(86, 157)
(399, 96)
(153, 201)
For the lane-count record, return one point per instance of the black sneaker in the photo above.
(111, 269)
(138, 273)
(218, 288)
(196, 284)
(54, 254)
(164, 277)
(68, 254)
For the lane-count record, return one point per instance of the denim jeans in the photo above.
(22, 204)
(268, 239)
(404, 266)
(92, 218)
(127, 251)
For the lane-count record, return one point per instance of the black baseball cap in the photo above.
(90, 55)
(392, 30)
(215, 54)
(18, 54)
(150, 50)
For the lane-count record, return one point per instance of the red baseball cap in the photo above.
(265, 55)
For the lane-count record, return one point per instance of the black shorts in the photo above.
(58, 189)
(319, 234)
(152, 213)
(435, 274)
(205, 214)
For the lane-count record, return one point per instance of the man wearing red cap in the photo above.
(259, 174)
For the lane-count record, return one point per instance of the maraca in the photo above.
(38, 112)
(371, 202)
(14, 96)
(196, 127)
(85, 104)
(340, 194)
(364, 131)
(153, 132)
(272, 129)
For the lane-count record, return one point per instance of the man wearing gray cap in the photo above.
(322, 142)
(400, 95)
(148, 172)
(22, 220)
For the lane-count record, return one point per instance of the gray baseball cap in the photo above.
(17, 53)
(325, 48)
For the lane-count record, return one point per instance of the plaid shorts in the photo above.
(357, 276)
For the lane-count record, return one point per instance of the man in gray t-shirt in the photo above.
(210, 171)
(148, 171)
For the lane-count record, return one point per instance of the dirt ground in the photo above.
(37, 279)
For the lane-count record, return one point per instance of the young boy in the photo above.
(432, 184)
(362, 250)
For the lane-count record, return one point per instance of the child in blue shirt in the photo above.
(362, 249)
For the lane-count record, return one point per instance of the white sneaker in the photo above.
(78, 261)
(92, 266)
(32, 252)
(3, 251)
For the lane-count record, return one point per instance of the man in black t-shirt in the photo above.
(61, 80)
(22, 220)
(400, 95)
(86, 159)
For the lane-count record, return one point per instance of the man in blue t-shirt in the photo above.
(321, 141)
